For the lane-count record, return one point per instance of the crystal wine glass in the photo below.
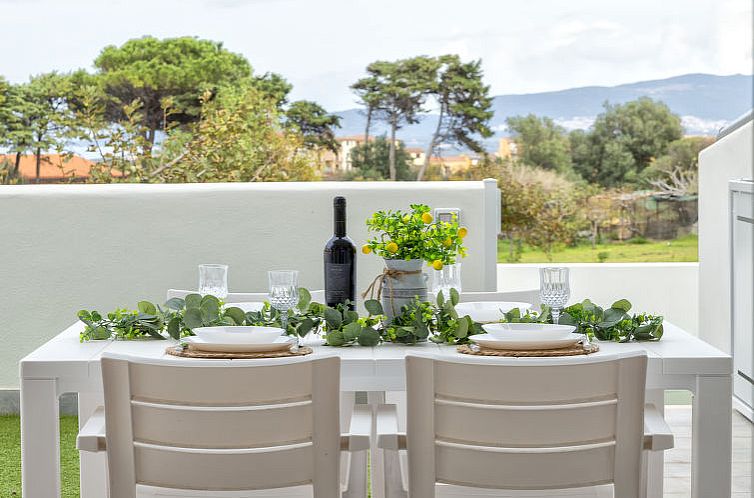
(283, 293)
(213, 280)
(554, 289)
(447, 278)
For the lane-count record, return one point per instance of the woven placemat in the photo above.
(575, 350)
(191, 353)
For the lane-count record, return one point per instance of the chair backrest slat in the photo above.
(514, 424)
(223, 426)
(525, 296)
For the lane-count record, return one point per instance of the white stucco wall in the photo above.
(668, 289)
(727, 159)
(68, 247)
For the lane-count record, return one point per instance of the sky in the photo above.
(323, 46)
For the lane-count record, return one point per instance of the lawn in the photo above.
(10, 456)
(682, 249)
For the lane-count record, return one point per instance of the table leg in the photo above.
(711, 437)
(40, 438)
(93, 469)
(376, 471)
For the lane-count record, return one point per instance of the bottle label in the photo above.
(337, 282)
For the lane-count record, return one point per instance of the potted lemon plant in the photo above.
(406, 240)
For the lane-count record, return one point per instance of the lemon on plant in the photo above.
(427, 218)
(463, 232)
(366, 249)
(391, 247)
(437, 264)
(447, 242)
(406, 219)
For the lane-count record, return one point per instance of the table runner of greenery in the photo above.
(436, 321)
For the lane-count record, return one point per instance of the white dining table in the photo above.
(64, 365)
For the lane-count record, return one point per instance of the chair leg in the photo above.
(392, 472)
(357, 476)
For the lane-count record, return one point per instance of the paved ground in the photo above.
(678, 460)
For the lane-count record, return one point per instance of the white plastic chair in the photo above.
(244, 297)
(227, 429)
(525, 296)
(479, 426)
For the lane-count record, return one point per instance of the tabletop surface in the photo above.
(63, 355)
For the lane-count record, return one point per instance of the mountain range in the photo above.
(706, 103)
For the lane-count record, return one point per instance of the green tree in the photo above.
(540, 142)
(398, 90)
(371, 161)
(624, 140)
(240, 136)
(177, 69)
(275, 86)
(676, 172)
(464, 106)
(37, 117)
(367, 91)
(315, 124)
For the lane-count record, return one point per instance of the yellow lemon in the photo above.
(392, 247)
(406, 219)
(366, 249)
(463, 232)
(437, 264)
(447, 242)
(427, 218)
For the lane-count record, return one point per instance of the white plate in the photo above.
(280, 344)
(488, 341)
(238, 334)
(528, 331)
(489, 311)
(247, 306)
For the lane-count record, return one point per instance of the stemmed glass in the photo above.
(554, 289)
(213, 280)
(283, 293)
(447, 278)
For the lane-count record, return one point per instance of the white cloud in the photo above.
(323, 46)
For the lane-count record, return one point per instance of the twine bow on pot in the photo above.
(387, 274)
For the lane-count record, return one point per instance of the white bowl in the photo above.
(246, 306)
(238, 334)
(489, 311)
(528, 331)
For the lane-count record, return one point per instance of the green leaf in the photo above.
(335, 338)
(176, 304)
(210, 299)
(236, 314)
(193, 300)
(463, 328)
(351, 331)
(174, 327)
(454, 296)
(368, 337)
(146, 307)
(567, 319)
(306, 325)
(374, 307)
(350, 317)
(193, 318)
(622, 304)
(440, 299)
(210, 310)
(304, 298)
(612, 316)
(333, 318)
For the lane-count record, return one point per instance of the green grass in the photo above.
(682, 249)
(10, 456)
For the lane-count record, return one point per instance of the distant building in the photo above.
(455, 164)
(506, 148)
(53, 168)
(341, 162)
(417, 155)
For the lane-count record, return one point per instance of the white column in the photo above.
(40, 438)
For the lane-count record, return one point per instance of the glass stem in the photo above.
(555, 315)
(284, 321)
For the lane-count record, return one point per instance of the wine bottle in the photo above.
(340, 260)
